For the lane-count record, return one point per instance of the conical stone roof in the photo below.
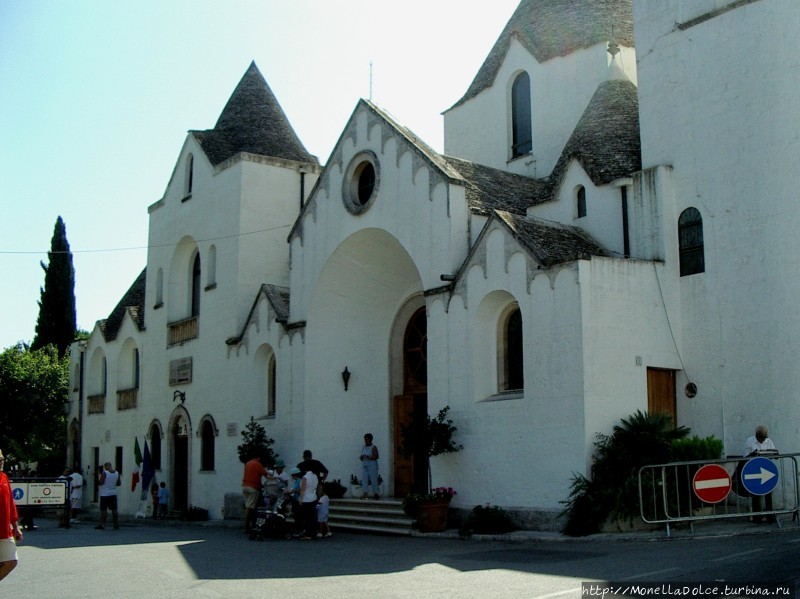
(253, 121)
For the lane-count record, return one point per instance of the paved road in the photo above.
(155, 560)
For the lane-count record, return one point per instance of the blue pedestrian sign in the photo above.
(18, 493)
(760, 476)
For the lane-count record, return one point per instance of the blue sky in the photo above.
(96, 98)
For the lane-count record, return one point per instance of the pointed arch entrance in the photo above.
(411, 407)
(361, 304)
(179, 434)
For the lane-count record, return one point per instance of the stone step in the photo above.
(383, 516)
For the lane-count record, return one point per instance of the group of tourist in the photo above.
(304, 485)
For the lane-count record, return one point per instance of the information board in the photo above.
(40, 494)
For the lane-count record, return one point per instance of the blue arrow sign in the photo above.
(760, 476)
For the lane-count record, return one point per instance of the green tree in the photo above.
(256, 443)
(33, 391)
(56, 321)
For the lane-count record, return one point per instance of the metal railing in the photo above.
(715, 489)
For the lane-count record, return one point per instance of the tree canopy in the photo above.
(57, 321)
(33, 391)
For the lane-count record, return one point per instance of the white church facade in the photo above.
(608, 230)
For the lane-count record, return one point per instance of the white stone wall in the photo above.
(479, 130)
(238, 216)
(603, 220)
(718, 104)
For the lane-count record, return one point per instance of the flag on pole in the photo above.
(137, 458)
(148, 472)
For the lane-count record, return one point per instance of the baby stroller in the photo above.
(271, 520)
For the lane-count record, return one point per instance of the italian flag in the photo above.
(137, 457)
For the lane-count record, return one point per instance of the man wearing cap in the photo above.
(10, 534)
(280, 475)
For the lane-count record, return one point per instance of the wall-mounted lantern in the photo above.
(345, 377)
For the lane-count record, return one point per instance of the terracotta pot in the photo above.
(432, 515)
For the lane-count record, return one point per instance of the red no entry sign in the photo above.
(712, 483)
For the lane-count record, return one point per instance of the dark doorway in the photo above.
(180, 466)
(411, 469)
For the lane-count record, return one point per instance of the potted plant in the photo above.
(355, 486)
(334, 488)
(431, 437)
(430, 509)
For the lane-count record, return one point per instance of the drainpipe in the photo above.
(626, 241)
(82, 361)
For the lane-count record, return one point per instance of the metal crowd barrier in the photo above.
(717, 489)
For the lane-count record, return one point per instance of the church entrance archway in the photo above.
(362, 301)
(180, 431)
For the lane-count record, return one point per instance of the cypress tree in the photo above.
(57, 322)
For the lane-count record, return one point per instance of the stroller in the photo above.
(271, 519)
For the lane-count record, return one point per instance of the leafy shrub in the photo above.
(195, 514)
(334, 488)
(487, 519)
(695, 448)
(613, 489)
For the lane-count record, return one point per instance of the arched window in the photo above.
(189, 174)
(155, 446)
(511, 362)
(521, 133)
(211, 268)
(159, 288)
(690, 242)
(196, 286)
(580, 201)
(207, 434)
(271, 386)
(104, 374)
(136, 368)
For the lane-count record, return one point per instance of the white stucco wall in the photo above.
(603, 220)
(479, 130)
(726, 124)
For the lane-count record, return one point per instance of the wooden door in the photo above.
(661, 393)
(410, 470)
(402, 416)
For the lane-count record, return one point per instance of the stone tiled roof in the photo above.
(489, 189)
(133, 303)
(605, 142)
(252, 121)
(550, 242)
(606, 139)
(550, 28)
(278, 297)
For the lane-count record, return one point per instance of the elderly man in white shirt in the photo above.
(752, 446)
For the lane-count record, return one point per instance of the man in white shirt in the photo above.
(758, 442)
(752, 446)
(75, 494)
